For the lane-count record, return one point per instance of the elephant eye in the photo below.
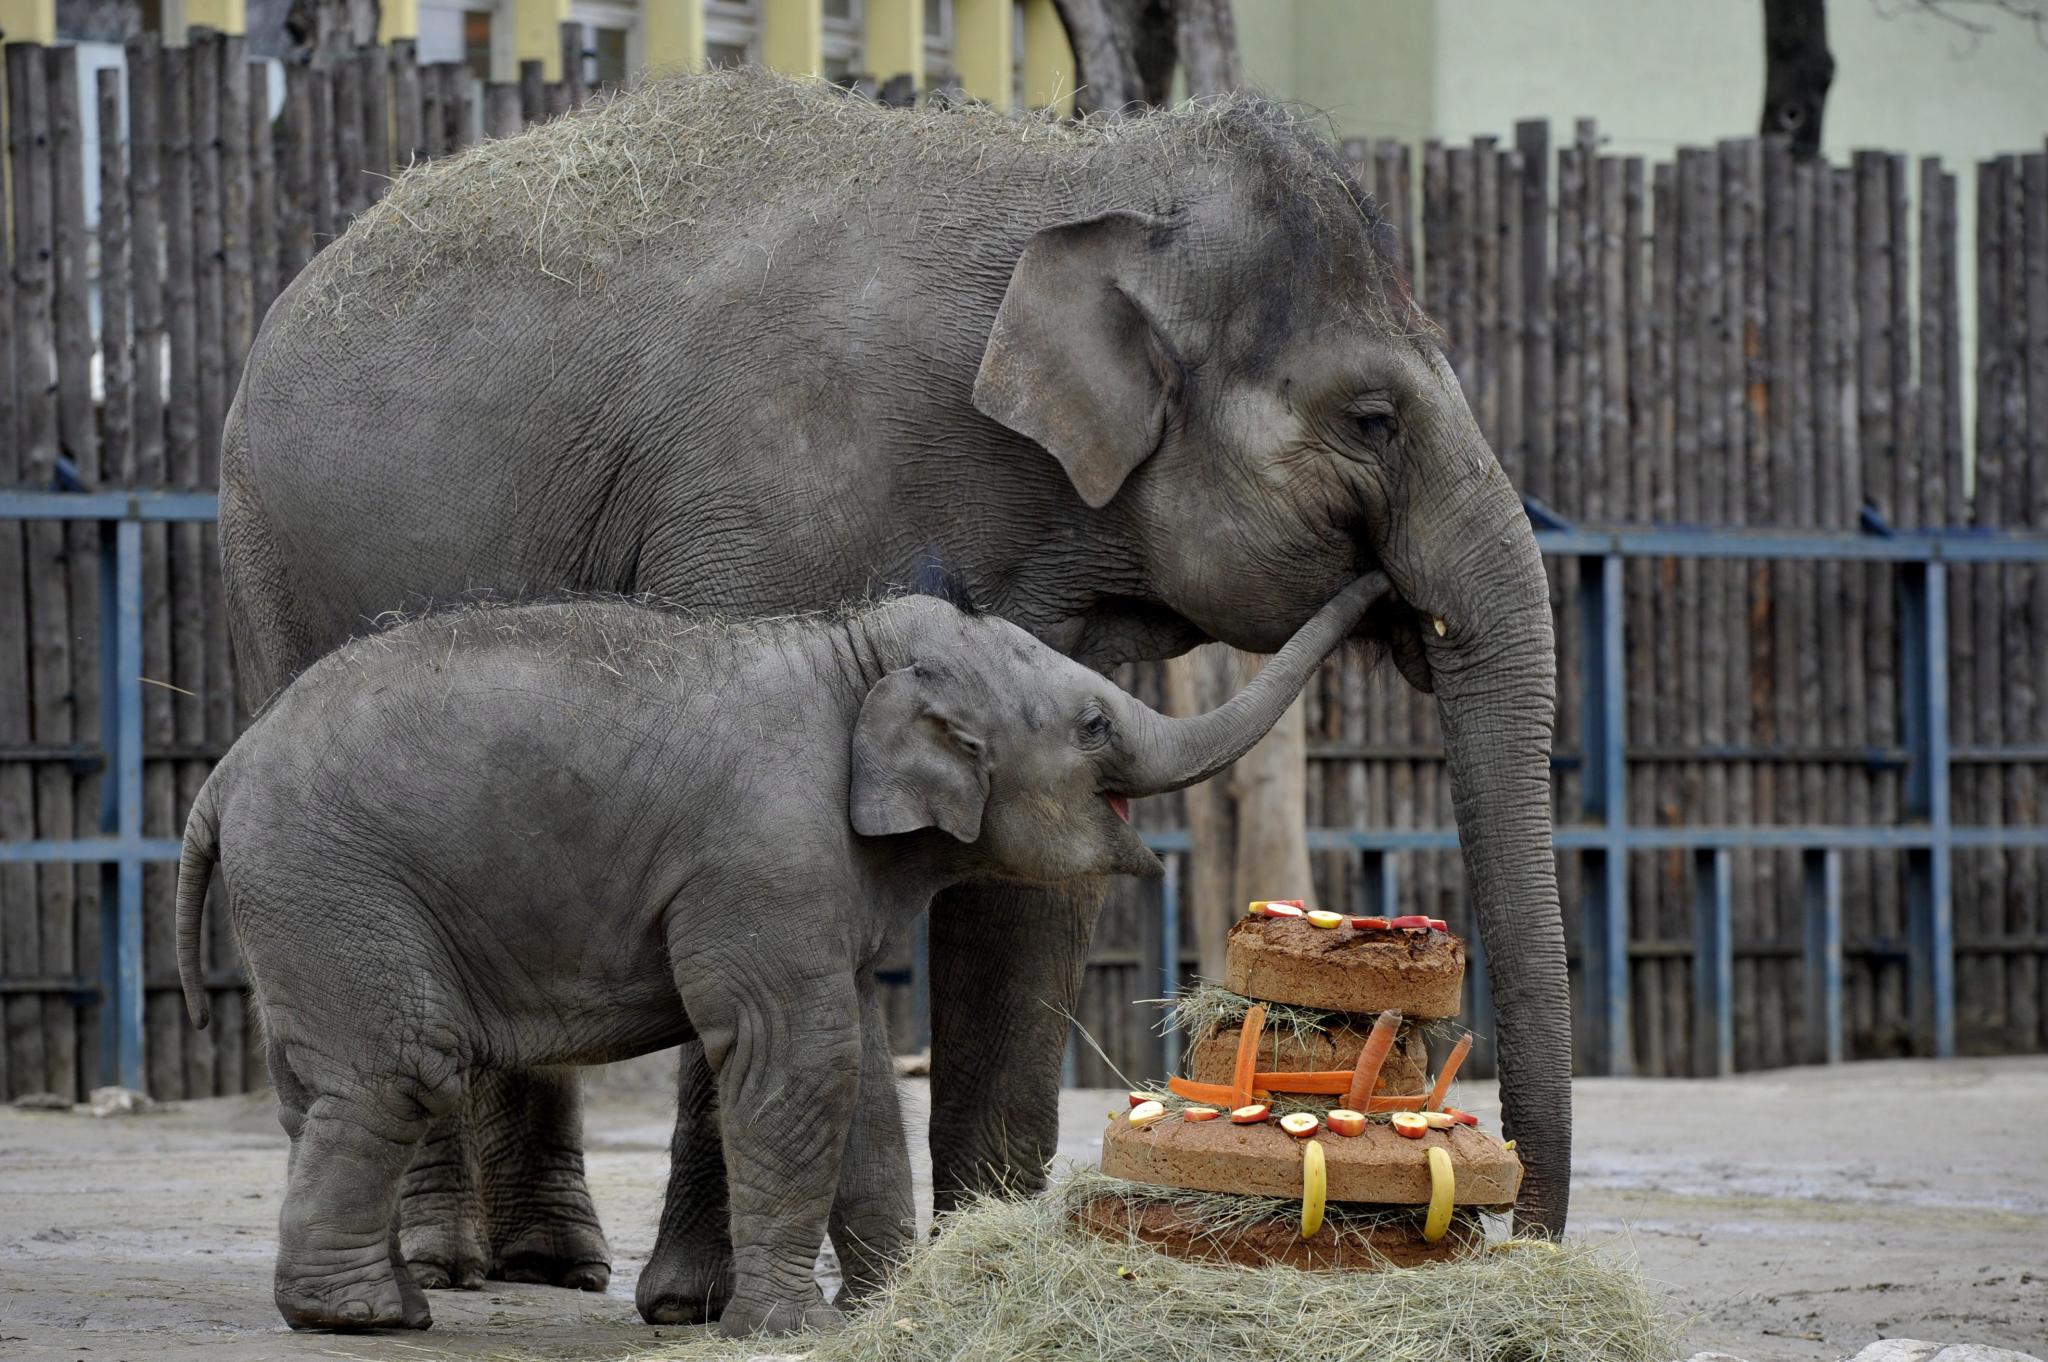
(1094, 728)
(1371, 422)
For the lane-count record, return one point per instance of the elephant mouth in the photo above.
(1119, 805)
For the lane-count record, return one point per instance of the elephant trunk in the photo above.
(1482, 606)
(1170, 754)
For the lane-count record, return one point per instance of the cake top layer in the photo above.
(1417, 971)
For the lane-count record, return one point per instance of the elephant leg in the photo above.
(874, 1216)
(785, 1044)
(338, 1260)
(1006, 964)
(542, 1225)
(441, 1210)
(688, 1278)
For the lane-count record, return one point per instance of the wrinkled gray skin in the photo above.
(564, 834)
(1132, 406)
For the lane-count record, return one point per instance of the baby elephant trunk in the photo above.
(1169, 754)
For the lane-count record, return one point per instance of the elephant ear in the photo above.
(1075, 359)
(915, 766)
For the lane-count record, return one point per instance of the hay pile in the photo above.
(702, 161)
(1010, 1280)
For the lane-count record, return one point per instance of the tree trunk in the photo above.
(1206, 38)
(1798, 69)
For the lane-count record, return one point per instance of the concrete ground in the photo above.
(1796, 1214)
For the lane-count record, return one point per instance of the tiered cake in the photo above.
(1334, 1109)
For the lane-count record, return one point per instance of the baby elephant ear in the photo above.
(914, 767)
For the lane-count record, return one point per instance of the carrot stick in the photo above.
(1359, 1091)
(1443, 1080)
(1314, 1083)
(1247, 1055)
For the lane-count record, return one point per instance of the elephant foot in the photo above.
(447, 1256)
(573, 1256)
(747, 1317)
(681, 1289)
(369, 1298)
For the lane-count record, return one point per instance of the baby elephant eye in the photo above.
(1094, 728)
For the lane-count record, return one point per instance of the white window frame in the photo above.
(938, 47)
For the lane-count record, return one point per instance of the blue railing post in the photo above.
(1713, 966)
(121, 737)
(1822, 869)
(1930, 905)
(1603, 730)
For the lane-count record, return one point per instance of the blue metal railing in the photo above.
(1928, 839)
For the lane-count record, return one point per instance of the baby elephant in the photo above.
(564, 834)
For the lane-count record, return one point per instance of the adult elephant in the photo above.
(759, 346)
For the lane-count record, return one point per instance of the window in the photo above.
(842, 40)
(732, 32)
(938, 43)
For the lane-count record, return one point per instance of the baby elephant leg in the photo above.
(688, 1277)
(874, 1218)
(339, 1265)
(785, 1043)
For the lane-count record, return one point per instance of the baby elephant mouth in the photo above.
(1119, 805)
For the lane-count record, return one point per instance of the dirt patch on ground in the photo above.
(1796, 1215)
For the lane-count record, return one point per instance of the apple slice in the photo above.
(1251, 1115)
(1439, 1120)
(1283, 910)
(1437, 924)
(1147, 1113)
(1139, 1099)
(1372, 924)
(1321, 918)
(1345, 1122)
(1199, 1113)
(1410, 1124)
(1413, 920)
(1300, 1124)
(1463, 1118)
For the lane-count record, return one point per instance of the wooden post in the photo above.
(264, 192)
(1532, 140)
(47, 936)
(376, 85)
(406, 131)
(295, 228)
(22, 1062)
(574, 86)
(533, 92)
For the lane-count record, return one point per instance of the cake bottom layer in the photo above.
(1179, 1232)
(1378, 1167)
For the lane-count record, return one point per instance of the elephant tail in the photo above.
(195, 868)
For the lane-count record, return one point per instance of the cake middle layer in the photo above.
(1213, 1057)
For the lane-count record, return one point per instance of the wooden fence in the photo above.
(1731, 338)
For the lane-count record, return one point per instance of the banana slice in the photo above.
(1443, 1188)
(1315, 1187)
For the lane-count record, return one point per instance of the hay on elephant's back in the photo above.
(1011, 1279)
(569, 198)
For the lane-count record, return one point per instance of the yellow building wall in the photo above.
(29, 21)
(981, 50)
(894, 37)
(793, 36)
(1048, 59)
(537, 34)
(672, 36)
